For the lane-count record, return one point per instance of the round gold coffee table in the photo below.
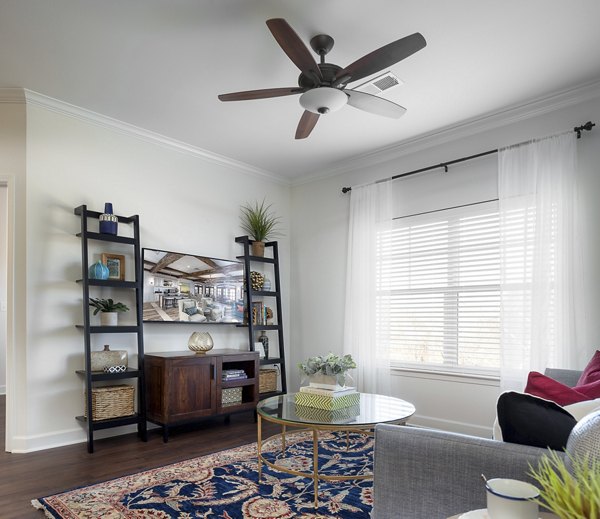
(362, 418)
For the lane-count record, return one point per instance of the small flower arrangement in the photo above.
(330, 365)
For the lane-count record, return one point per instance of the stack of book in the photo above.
(234, 374)
(328, 399)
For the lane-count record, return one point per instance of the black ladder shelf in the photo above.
(251, 294)
(88, 330)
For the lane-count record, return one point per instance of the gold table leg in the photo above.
(283, 439)
(259, 447)
(316, 465)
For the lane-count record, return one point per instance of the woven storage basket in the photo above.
(231, 396)
(112, 402)
(267, 380)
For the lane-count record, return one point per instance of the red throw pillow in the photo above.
(591, 373)
(548, 388)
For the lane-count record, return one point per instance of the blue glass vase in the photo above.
(98, 271)
(108, 221)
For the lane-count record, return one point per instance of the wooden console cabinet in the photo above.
(183, 387)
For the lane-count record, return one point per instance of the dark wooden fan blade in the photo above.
(374, 104)
(383, 57)
(306, 124)
(293, 46)
(260, 94)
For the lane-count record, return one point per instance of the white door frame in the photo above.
(9, 183)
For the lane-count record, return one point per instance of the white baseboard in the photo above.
(2, 390)
(40, 442)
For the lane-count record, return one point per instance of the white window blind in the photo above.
(439, 276)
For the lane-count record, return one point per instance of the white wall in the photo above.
(3, 282)
(12, 174)
(185, 202)
(319, 241)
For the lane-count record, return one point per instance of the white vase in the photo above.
(319, 380)
(109, 318)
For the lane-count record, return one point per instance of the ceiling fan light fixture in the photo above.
(323, 100)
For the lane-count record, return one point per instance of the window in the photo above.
(439, 281)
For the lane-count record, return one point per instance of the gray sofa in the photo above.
(430, 474)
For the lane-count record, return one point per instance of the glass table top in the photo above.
(373, 409)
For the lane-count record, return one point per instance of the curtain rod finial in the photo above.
(346, 189)
(587, 127)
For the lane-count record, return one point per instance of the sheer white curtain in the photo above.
(366, 328)
(536, 190)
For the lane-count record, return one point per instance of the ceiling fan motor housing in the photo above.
(328, 73)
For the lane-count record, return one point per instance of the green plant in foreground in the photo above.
(107, 305)
(259, 222)
(573, 494)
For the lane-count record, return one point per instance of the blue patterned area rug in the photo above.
(225, 485)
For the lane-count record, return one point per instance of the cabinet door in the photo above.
(192, 390)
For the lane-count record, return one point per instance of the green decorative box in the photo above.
(344, 415)
(327, 402)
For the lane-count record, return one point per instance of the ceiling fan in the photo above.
(322, 87)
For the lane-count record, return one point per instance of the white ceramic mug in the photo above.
(511, 499)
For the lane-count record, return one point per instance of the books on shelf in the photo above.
(233, 374)
(261, 314)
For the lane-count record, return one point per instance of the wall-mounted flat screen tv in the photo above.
(187, 288)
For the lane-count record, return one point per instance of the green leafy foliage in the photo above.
(570, 494)
(327, 365)
(107, 305)
(259, 222)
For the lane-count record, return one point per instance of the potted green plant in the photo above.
(329, 371)
(569, 492)
(109, 310)
(259, 222)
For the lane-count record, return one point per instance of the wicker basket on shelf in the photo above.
(267, 380)
(112, 402)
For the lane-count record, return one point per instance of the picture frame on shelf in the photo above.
(258, 346)
(115, 264)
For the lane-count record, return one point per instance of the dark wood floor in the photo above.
(24, 477)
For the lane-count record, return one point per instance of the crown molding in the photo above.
(104, 121)
(12, 95)
(467, 128)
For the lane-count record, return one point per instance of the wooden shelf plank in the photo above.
(111, 422)
(113, 283)
(129, 373)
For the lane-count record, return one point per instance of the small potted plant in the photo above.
(329, 371)
(260, 224)
(109, 310)
(569, 492)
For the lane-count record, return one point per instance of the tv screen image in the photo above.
(188, 288)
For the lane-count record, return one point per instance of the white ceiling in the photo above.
(160, 64)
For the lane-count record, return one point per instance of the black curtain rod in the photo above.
(578, 129)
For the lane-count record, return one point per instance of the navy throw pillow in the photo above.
(530, 420)
(191, 311)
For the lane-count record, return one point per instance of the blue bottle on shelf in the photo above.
(108, 221)
(98, 271)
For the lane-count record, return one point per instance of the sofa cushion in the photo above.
(550, 389)
(534, 421)
(591, 373)
(191, 310)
